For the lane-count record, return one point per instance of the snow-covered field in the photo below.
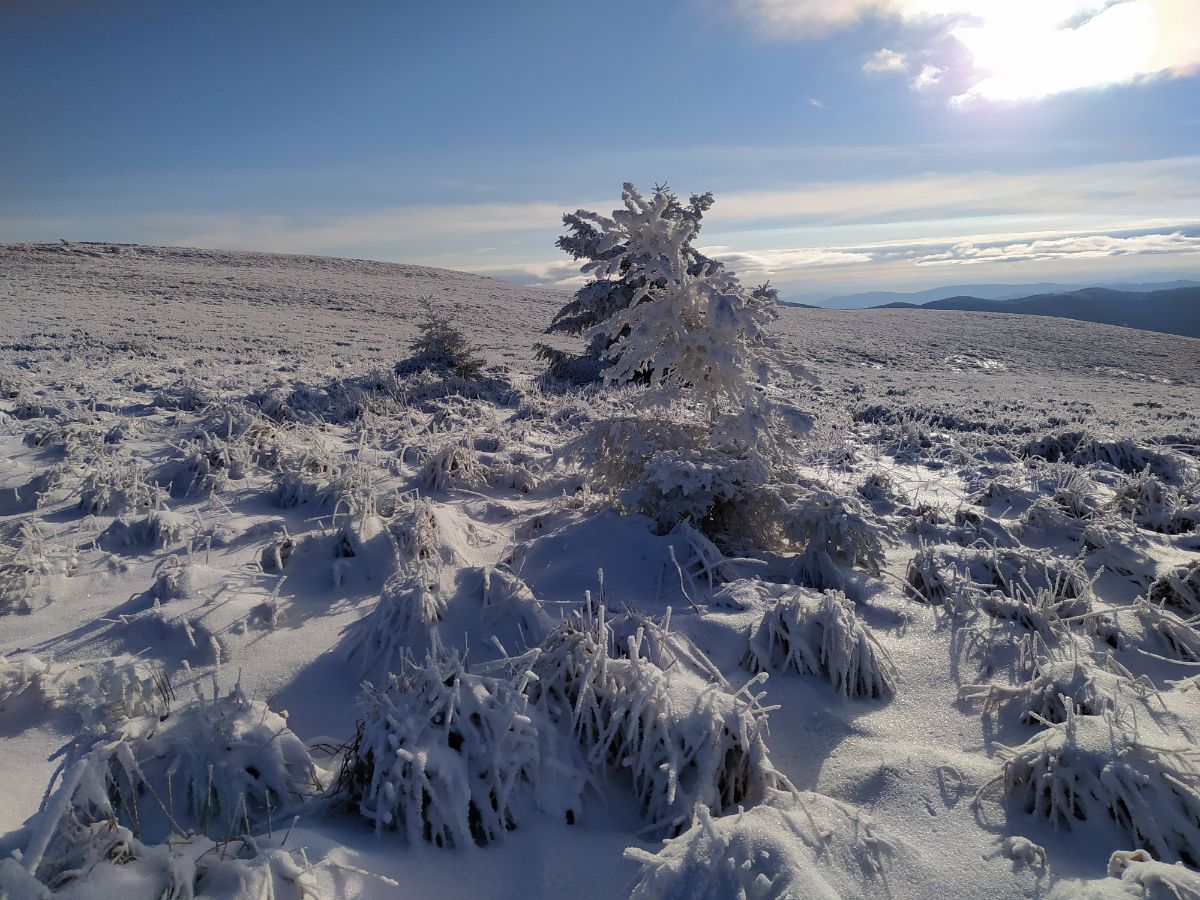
(222, 512)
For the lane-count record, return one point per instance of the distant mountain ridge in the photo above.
(1172, 311)
(873, 299)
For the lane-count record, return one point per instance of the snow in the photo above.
(220, 502)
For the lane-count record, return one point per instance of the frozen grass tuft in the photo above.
(1165, 631)
(401, 623)
(111, 485)
(225, 765)
(685, 740)
(1095, 769)
(1179, 589)
(1145, 877)
(821, 635)
(1081, 448)
(804, 845)
(445, 756)
(1059, 687)
(452, 465)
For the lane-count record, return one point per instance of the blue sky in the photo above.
(851, 145)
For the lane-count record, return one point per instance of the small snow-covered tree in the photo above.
(441, 344)
(660, 313)
(589, 240)
(688, 323)
(656, 308)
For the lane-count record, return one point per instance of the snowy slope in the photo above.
(207, 470)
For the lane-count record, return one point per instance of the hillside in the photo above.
(297, 622)
(1172, 311)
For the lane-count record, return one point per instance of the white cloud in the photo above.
(927, 78)
(1158, 188)
(1014, 49)
(900, 260)
(1087, 246)
(558, 273)
(815, 103)
(886, 60)
(759, 263)
(808, 16)
(335, 233)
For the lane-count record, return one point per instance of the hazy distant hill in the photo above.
(875, 299)
(1174, 311)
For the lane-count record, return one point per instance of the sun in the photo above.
(1031, 50)
(1027, 49)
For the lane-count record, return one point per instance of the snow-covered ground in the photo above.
(218, 504)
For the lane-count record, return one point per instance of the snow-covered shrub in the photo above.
(704, 561)
(671, 469)
(1101, 769)
(831, 526)
(71, 438)
(1075, 494)
(1154, 505)
(210, 462)
(819, 634)
(1179, 589)
(452, 465)
(1027, 571)
(26, 558)
(182, 578)
(1150, 879)
(227, 764)
(306, 471)
(659, 645)
(804, 845)
(106, 691)
(1046, 612)
(926, 578)
(400, 623)
(685, 740)
(508, 601)
(340, 401)
(699, 486)
(513, 475)
(441, 345)
(185, 633)
(415, 529)
(186, 395)
(32, 495)
(1082, 449)
(157, 529)
(114, 486)
(908, 433)
(1058, 686)
(1173, 636)
(879, 488)
(445, 756)
(354, 494)
(99, 691)
(28, 405)
(99, 859)
(276, 555)
(24, 675)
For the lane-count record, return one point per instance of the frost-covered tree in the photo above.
(643, 255)
(441, 344)
(700, 446)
